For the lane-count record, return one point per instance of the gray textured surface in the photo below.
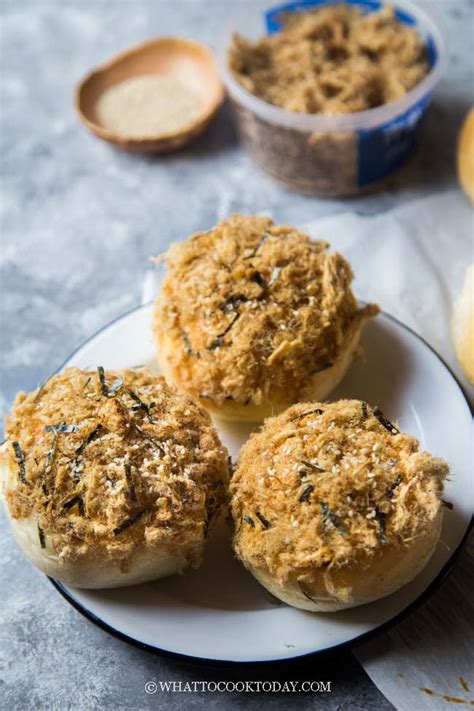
(78, 223)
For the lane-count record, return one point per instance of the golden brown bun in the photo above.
(318, 387)
(466, 155)
(351, 585)
(111, 478)
(462, 326)
(252, 317)
(334, 507)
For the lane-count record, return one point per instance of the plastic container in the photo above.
(330, 155)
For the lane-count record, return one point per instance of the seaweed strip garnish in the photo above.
(91, 436)
(114, 388)
(377, 412)
(265, 522)
(130, 485)
(260, 243)
(316, 411)
(382, 521)
(62, 428)
(330, 516)
(233, 302)
(249, 520)
(103, 384)
(312, 466)
(41, 537)
(20, 460)
(76, 500)
(137, 428)
(148, 438)
(78, 465)
(305, 496)
(308, 597)
(448, 504)
(129, 522)
(391, 489)
(50, 460)
(219, 339)
(140, 405)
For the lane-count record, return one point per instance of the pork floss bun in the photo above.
(334, 507)
(112, 478)
(253, 316)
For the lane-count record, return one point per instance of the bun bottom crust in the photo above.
(318, 387)
(91, 572)
(356, 584)
(94, 570)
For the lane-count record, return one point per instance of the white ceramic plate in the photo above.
(220, 612)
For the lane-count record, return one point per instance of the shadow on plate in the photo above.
(373, 378)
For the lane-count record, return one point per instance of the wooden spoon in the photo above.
(187, 61)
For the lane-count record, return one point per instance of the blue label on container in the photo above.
(383, 149)
(273, 16)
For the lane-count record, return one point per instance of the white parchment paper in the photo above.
(412, 262)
